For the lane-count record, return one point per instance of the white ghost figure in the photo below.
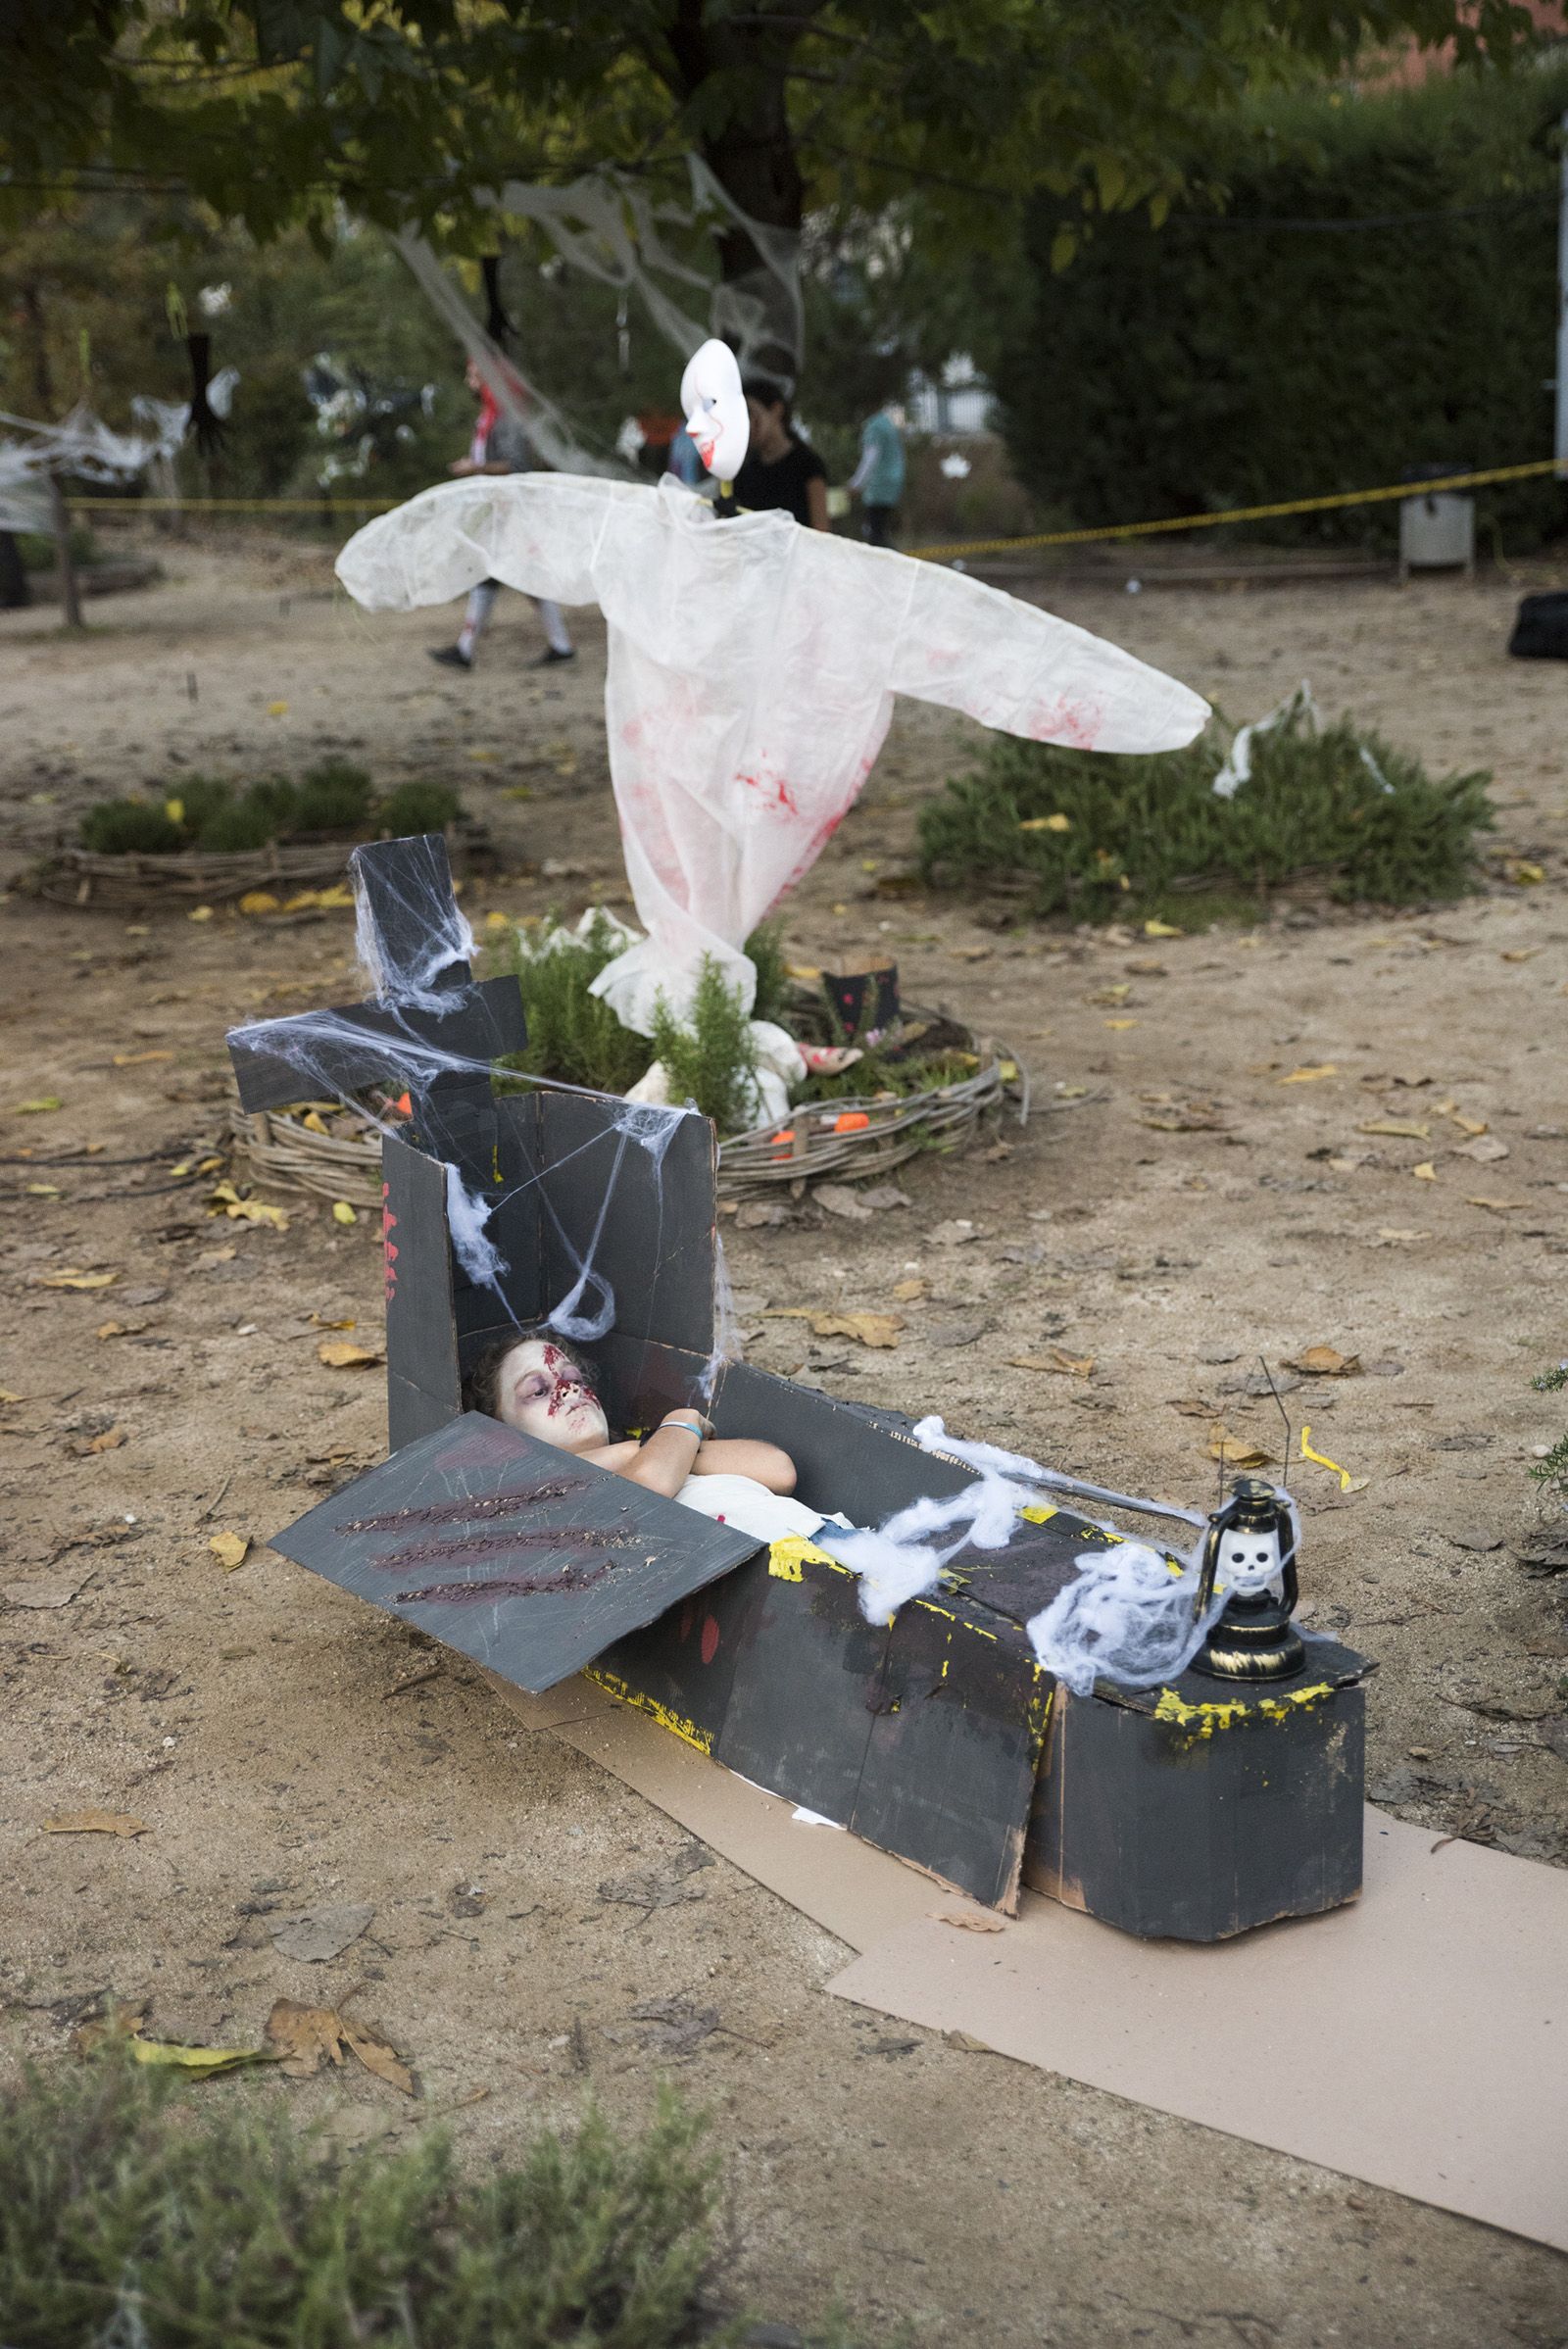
(715, 411)
(753, 667)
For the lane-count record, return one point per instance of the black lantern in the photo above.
(1250, 1546)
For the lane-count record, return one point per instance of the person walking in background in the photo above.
(781, 475)
(500, 445)
(878, 479)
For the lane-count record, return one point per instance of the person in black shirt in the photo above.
(780, 472)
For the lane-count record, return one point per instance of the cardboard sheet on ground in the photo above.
(1421, 2035)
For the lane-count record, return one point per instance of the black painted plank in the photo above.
(511, 1551)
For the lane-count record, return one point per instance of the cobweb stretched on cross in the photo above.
(432, 1035)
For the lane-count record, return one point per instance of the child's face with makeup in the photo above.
(541, 1391)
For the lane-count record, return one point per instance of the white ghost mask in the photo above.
(715, 411)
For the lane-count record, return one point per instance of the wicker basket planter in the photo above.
(135, 883)
(289, 1156)
(847, 1141)
(850, 1141)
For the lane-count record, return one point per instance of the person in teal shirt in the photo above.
(878, 478)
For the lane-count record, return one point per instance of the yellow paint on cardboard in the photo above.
(667, 1718)
(1039, 1515)
(1202, 1720)
(786, 1559)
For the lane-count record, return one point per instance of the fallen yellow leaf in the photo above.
(314, 1121)
(224, 1199)
(43, 1190)
(1308, 1076)
(1475, 1127)
(38, 1108)
(75, 1280)
(229, 1549)
(110, 1441)
(1520, 953)
(1528, 873)
(260, 901)
(110, 1329)
(1122, 1023)
(277, 710)
(97, 1822)
(339, 1354)
(1046, 823)
(1162, 929)
(378, 2056)
(135, 1060)
(200, 913)
(1406, 1129)
(908, 1291)
(174, 809)
(1426, 1172)
(8, 1396)
(1497, 1207)
(342, 1212)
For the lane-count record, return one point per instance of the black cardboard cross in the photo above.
(541, 1160)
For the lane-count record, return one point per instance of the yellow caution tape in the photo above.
(1308, 1453)
(1242, 513)
(932, 553)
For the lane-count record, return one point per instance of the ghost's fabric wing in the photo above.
(517, 1555)
(533, 531)
(1024, 672)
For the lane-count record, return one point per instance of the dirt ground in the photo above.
(1184, 1199)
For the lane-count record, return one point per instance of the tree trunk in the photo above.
(15, 594)
(751, 154)
(60, 516)
(58, 512)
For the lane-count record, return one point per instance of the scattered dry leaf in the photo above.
(97, 1822)
(1046, 823)
(377, 2055)
(110, 1329)
(1161, 929)
(135, 1060)
(1467, 1125)
(224, 1199)
(72, 1279)
(303, 2036)
(1426, 1172)
(341, 1353)
(1325, 1362)
(110, 1441)
(870, 1329)
(1309, 1076)
(230, 1549)
(908, 1291)
(342, 1212)
(1235, 1451)
(1122, 1023)
(1056, 1358)
(1406, 1129)
(260, 901)
(970, 954)
(1497, 1207)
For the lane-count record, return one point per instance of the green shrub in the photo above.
(123, 827)
(1553, 1471)
(709, 1056)
(127, 2216)
(199, 798)
(774, 986)
(1240, 354)
(1342, 806)
(417, 807)
(334, 796)
(245, 824)
(572, 1034)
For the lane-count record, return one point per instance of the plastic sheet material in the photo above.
(753, 667)
(1298, 709)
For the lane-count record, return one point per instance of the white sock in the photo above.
(555, 627)
(482, 602)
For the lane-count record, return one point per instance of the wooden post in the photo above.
(60, 516)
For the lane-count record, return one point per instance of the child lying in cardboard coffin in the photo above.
(532, 1382)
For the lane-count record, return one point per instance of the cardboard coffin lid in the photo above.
(524, 1558)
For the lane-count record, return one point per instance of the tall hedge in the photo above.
(1249, 349)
